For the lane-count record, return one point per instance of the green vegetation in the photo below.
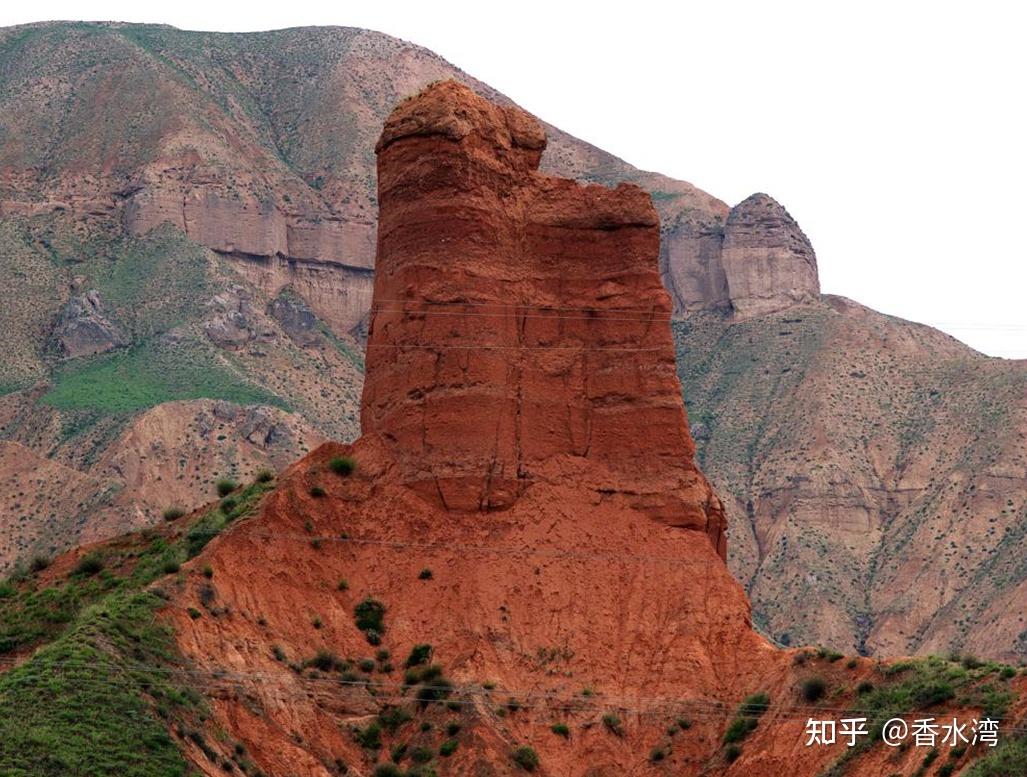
(813, 688)
(747, 719)
(1009, 757)
(149, 374)
(526, 758)
(342, 465)
(613, 724)
(561, 730)
(369, 616)
(425, 574)
(448, 747)
(94, 694)
(225, 486)
(173, 513)
(419, 654)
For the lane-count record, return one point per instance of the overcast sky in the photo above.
(893, 132)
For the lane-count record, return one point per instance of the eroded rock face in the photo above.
(83, 330)
(519, 330)
(755, 261)
(768, 261)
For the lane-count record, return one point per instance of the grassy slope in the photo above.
(99, 694)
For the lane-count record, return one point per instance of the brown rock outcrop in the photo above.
(82, 328)
(768, 261)
(520, 331)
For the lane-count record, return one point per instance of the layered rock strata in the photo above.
(520, 331)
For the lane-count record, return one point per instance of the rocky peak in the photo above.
(755, 261)
(768, 261)
(519, 328)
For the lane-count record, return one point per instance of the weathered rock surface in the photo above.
(768, 262)
(755, 261)
(520, 331)
(83, 330)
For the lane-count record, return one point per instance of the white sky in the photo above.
(893, 132)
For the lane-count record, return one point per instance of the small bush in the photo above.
(421, 755)
(39, 563)
(526, 758)
(170, 567)
(387, 770)
(864, 688)
(434, 691)
(324, 660)
(225, 486)
(1007, 672)
(278, 653)
(370, 737)
(342, 465)
(971, 662)
(265, 476)
(755, 705)
(88, 565)
(228, 504)
(684, 724)
(394, 717)
(813, 688)
(173, 513)
(425, 574)
(657, 754)
(419, 654)
(194, 613)
(208, 571)
(448, 747)
(739, 729)
(731, 753)
(366, 665)
(317, 492)
(369, 615)
(452, 729)
(613, 724)
(561, 730)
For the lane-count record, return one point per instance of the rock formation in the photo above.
(756, 261)
(83, 330)
(520, 331)
(768, 262)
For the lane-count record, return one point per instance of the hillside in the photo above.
(557, 604)
(875, 477)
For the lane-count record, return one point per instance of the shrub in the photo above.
(265, 476)
(170, 567)
(813, 688)
(421, 755)
(228, 504)
(561, 730)
(394, 717)
(370, 737)
(39, 563)
(208, 571)
(657, 754)
(382, 655)
(419, 654)
(1007, 672)
(342, 465)
(864, 688)
(88, 565)
(755, 705)
(343, 585)
(317, 492)
(612, 723)
(971, 662)
(373, 637)
(324, 660)
(438, 689)
(387, 770)
(684, 724)
(448, 747)
(194, 613)
(277, 652)
(731, 753)
(525, 757)
(316, 622)
(452, 729)
(173, 513)
(225, 486)
(369, 615)
(366, 665)
(425, 574)
(739, 729)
